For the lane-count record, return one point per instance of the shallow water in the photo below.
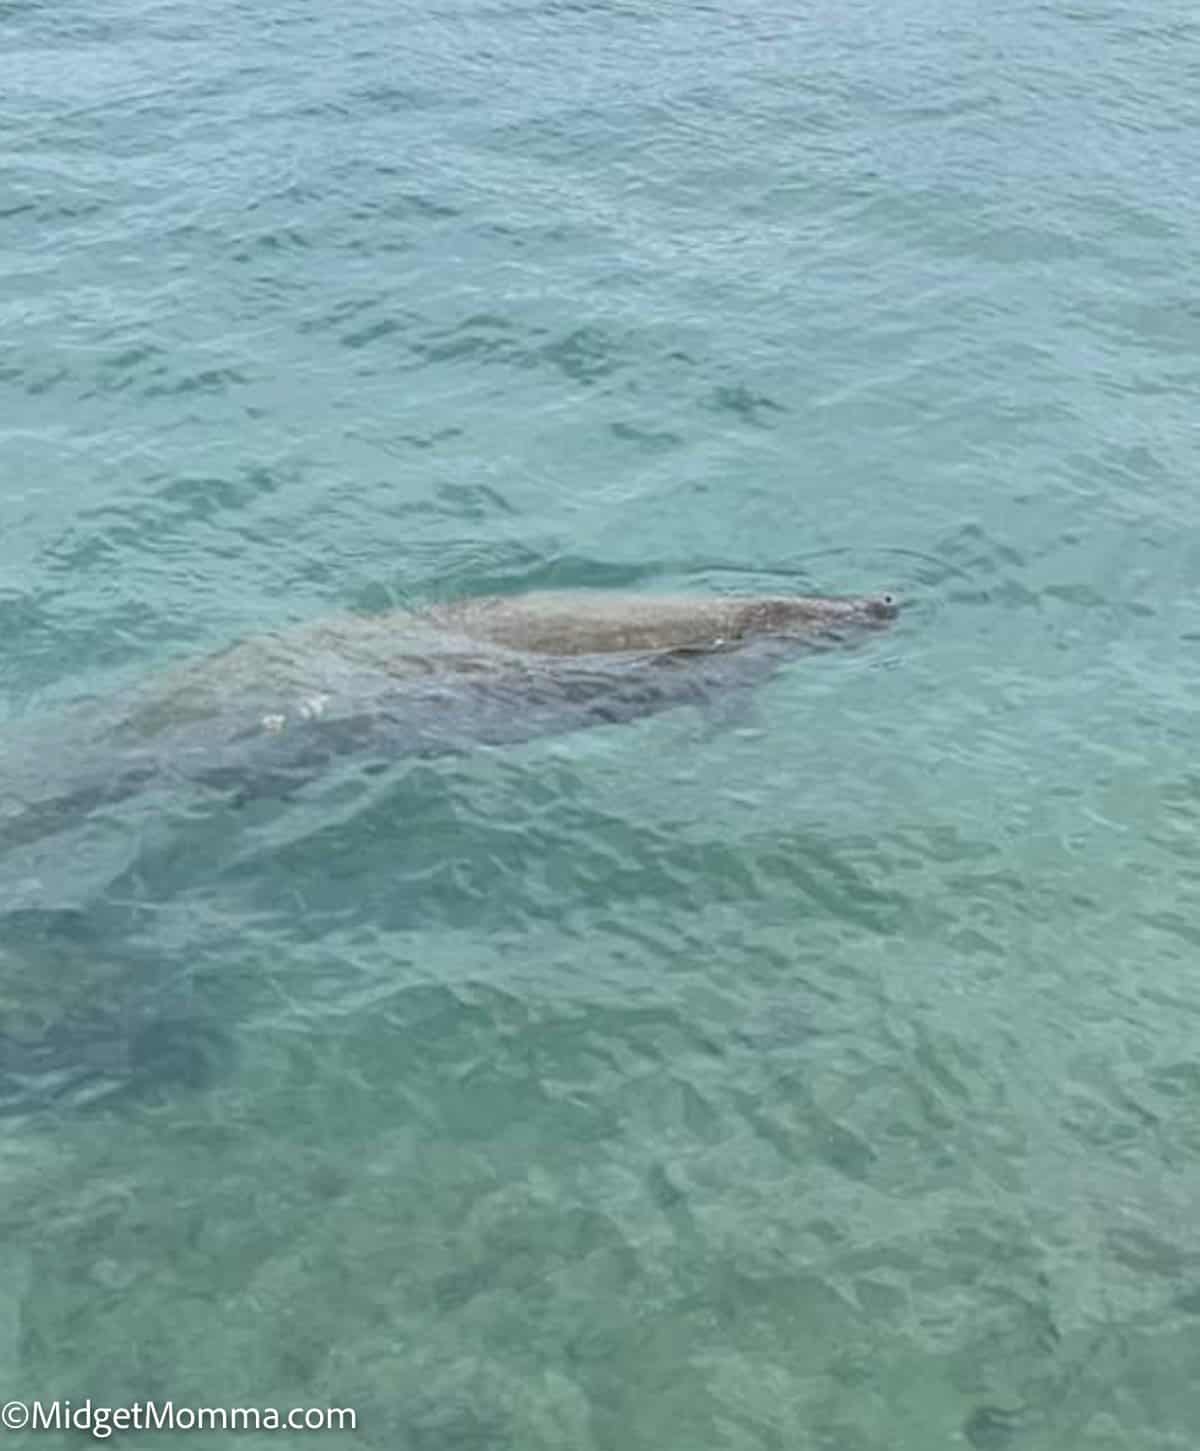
(826, 1078)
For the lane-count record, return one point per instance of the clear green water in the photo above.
(827, 1083)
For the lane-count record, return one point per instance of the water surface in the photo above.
(825, 1079)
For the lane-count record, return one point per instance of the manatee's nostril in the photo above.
(885, 606)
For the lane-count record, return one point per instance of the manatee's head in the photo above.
(818, 617)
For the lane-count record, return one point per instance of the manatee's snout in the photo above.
(872, 612)
(882, 608)
(822, 617)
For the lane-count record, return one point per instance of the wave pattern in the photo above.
(820, 1077)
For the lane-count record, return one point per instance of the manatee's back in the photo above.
(346, 657)
(591, 622)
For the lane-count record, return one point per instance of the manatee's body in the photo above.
(360, 656)
(272, 712)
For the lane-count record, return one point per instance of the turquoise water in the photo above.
(829, 1081)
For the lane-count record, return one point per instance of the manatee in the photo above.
(272, 712)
